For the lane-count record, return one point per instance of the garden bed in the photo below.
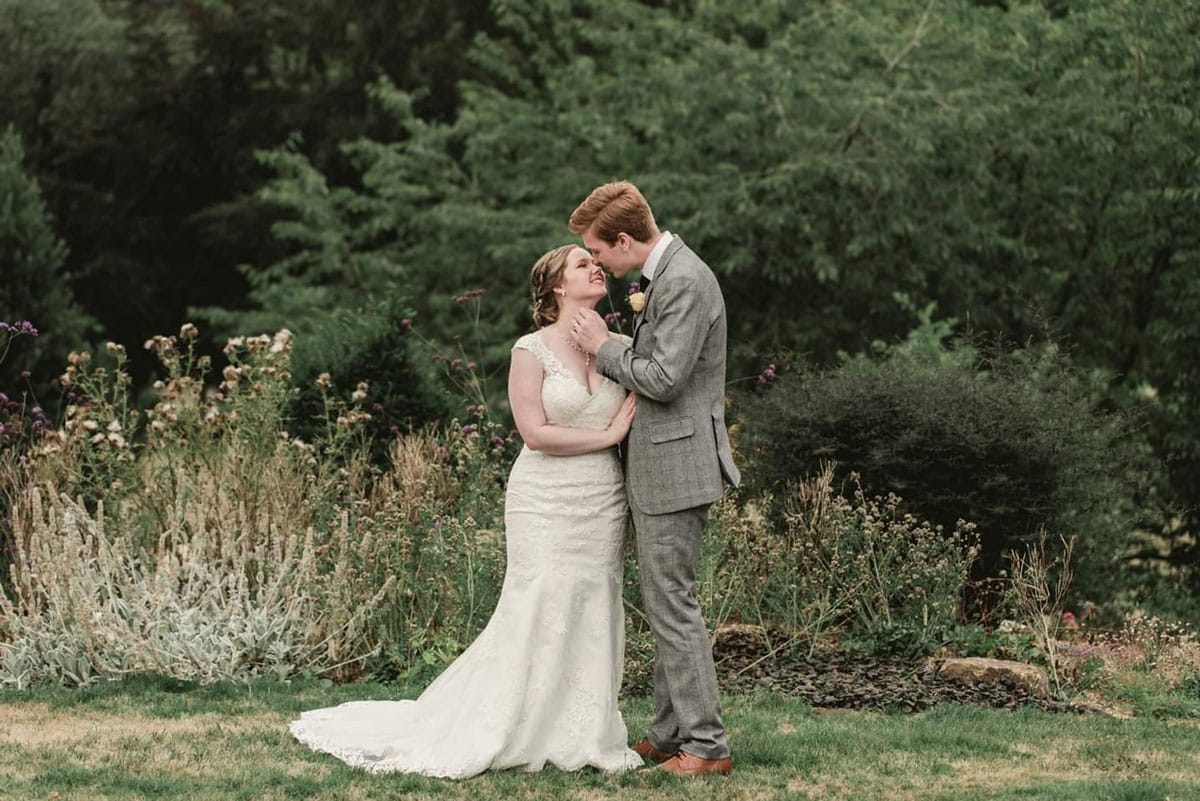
(840, 679)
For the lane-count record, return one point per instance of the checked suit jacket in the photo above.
(677, 453)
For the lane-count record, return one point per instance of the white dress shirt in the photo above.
(655, 256)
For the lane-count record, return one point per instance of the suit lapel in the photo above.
(663, 264)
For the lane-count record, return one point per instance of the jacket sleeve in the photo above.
(680, 327)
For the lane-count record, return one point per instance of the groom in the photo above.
(678, 456)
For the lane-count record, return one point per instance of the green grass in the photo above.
(161, 739)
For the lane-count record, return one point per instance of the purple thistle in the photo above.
(767, 375)
(18, 328)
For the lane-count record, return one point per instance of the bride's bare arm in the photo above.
(525, 398)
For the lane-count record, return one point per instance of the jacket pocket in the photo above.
(668, 430)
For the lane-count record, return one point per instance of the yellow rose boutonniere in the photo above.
(637, 298)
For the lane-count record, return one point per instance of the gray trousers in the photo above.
(687, 704)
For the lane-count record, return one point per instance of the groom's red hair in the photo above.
(612, 209)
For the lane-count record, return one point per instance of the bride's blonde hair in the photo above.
(547, 273)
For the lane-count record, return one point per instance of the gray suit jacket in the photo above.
(677, 453)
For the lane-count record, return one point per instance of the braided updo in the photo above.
(546, 275)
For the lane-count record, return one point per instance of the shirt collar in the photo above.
(660, 247)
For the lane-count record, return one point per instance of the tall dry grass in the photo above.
(202, 541)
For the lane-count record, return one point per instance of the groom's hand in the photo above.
(589, 329)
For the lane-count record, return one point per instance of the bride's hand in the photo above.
(622, 420)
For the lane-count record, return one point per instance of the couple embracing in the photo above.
(540, 683)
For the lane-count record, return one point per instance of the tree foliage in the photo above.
(1021, 164)
(32, 256)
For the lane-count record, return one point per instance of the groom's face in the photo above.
(613, 256)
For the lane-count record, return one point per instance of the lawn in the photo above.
(159, 739)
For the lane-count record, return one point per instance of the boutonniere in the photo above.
(637, 298)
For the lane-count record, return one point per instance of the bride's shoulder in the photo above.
(530, 342)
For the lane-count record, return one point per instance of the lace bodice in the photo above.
(565, 400)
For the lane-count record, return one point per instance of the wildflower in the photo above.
(324, 381)
(282, 341)
(406, 323)
(158, 343)
(613, 317)
(467, 296)
(19, 328)
(188, 332)
(115, 349)
(360, 392)
(90, 425)
(234, 344)
(767, 375)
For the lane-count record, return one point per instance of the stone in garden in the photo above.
(979, 670)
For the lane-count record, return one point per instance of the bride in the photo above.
(540, 683)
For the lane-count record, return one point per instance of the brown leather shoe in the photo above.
(646, 750)
(689, 765)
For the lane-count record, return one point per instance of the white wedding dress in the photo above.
(539, 685)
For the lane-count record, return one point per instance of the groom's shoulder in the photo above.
(694, 267)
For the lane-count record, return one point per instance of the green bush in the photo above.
(1011, 443)
(377, 347)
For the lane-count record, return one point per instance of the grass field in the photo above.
(157, 739)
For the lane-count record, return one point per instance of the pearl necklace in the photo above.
(587, 357)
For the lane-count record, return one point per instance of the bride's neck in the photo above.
(566, 312)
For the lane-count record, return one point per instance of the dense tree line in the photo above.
(1033, 168)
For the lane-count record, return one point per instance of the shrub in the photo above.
(375, 352)
(1012, 444)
